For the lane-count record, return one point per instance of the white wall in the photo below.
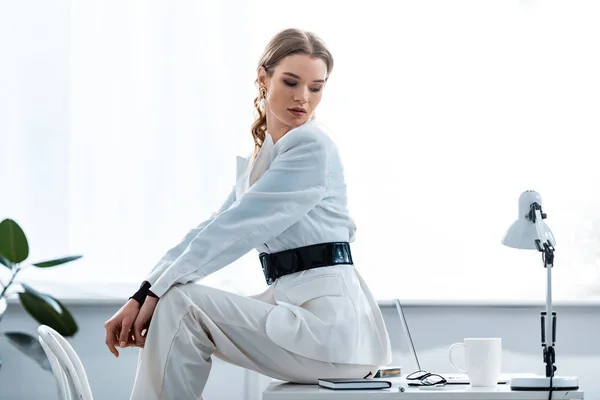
(434, 328)
(110, 115)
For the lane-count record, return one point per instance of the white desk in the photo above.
(286, 391)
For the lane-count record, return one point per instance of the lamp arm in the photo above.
(538, 223)
(548, 339)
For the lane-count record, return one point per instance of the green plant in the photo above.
(14, 250)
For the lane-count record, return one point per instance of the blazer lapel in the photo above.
(241, 164)
(246, 177)
(262, 161)
(241, 181)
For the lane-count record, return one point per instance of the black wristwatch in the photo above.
(142, 292)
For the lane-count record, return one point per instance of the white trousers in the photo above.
(193, 322)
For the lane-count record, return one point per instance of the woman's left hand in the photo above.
(142, 321)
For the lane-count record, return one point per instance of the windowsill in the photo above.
(503, 303)
(117, 301)
(84, 294)
(117, 294)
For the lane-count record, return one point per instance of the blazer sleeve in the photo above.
(294, 183)
(172, 254)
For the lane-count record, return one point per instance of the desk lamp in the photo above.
(530, 232)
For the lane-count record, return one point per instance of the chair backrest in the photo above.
(62, 382)
(68, 361)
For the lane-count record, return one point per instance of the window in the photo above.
(120, 125)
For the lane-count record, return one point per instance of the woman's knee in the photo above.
(191, 290)
(172, 304)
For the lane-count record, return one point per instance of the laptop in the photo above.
(451, 378)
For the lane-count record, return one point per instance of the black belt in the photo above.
(285, 262)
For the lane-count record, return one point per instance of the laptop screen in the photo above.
(407, 331)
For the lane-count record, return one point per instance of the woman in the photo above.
(317, 318)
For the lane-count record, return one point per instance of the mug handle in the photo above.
(450, 357)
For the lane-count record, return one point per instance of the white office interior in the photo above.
(467, 130)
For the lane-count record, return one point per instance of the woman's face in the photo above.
(293, 91)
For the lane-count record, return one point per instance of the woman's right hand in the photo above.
(119, 326)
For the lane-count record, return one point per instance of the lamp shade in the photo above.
(523, 232)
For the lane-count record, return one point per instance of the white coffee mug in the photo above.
(483, 357)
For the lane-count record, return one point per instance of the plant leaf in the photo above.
(4, 261)
(13, 242)
(3, 306)
(58, 261)
(30, 346)
(46, 310)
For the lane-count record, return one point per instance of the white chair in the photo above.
(68, 371)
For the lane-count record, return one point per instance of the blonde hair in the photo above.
(285, 43)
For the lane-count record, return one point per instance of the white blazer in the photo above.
(293, 195)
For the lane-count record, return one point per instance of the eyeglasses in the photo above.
(426, 378)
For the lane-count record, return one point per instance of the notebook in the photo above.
(346, 383)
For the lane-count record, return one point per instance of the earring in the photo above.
(262, 95)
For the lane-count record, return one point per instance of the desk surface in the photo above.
(278, 390)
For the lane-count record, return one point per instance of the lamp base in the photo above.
(543, 383)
